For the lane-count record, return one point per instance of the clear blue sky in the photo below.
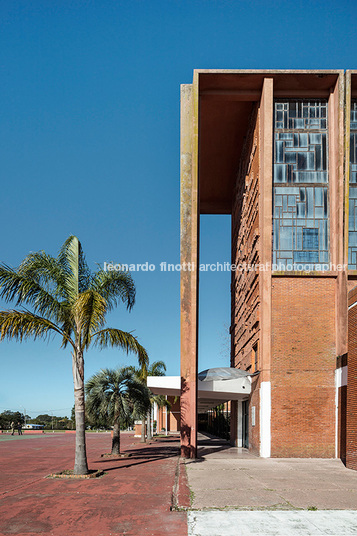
(89, 143)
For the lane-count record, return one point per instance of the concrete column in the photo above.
(265, 252)
(265, 222)
(336, 182)
(189, 273)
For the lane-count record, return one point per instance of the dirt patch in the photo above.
(69, 474)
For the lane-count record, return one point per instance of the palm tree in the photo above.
(70, 300)
(111, 394)
(157, 368)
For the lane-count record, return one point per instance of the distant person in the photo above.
(19, 428)
(12, 425)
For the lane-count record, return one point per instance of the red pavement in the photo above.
(133, 498)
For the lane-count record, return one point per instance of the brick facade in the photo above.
(303, 364)
(303, 367)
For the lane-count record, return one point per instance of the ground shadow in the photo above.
(141, 456)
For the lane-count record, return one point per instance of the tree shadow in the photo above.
(143, 455)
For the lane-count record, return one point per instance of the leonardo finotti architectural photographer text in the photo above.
(223, 267)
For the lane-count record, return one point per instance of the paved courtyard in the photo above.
(133, 498)
(232, 492)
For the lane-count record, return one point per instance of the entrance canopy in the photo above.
(215, 386)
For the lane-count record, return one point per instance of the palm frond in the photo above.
(140, 394)
(138, 372)
(162, 401)
(21, 325)
(68, 259)
(45, 270)
(157, 368)
(16, 287)
(72, 259)
(111, 393)
(89, 311)
(124, 340)
(68, 325)
(115, 287)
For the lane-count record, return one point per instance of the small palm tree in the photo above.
(69, 300)
(157, 368)
(111, 394)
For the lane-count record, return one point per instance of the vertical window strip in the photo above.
(300, 185)
(352, 216)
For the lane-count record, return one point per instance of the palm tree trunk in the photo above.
(116, 433)
(143, 426)
(80, 463)
(149, 425)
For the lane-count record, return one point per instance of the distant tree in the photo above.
(73, 417)
(43, 419)
(63, 423)
(7, 417)
(109, 393)
(69, 300)
(52, 422)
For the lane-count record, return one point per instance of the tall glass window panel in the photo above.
(300, 189)
(352, 217)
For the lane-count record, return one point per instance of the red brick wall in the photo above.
(245, 250)
(303, 367)
(174, 414)
(351, 417)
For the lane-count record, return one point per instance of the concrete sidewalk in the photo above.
(134, 497)
(285, 491)
(273, 523)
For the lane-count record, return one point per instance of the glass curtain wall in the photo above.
(300, 185)
(352, 219)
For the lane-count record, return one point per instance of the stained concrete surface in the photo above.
(268, 496)
(225, 476)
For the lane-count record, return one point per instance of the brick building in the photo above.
(277, 150)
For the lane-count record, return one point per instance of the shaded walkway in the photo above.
(132, 498)
(219, 448)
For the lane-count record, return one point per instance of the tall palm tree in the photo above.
(157, 368)
(111, 394)
(68, 299)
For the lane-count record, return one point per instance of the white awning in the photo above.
(211, 393)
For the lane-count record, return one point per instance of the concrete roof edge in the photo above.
(269, 71)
